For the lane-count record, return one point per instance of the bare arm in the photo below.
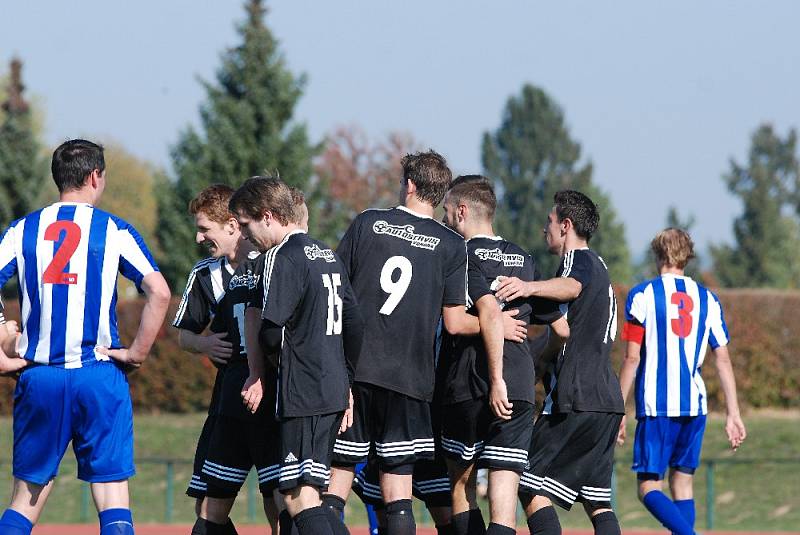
(157, 296)
(561, 289)
(491, 321)
(627, 375)
(213, 345)
(734, 426)
(10, 360)
(514, 330)
(253, 388)
(557, 336)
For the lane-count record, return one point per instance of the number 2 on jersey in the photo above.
(332, 282)
(396, 289)
(54, 273)
(682, 325)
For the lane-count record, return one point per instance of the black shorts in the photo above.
(430, 483)
(472, 434)
(236, 446)
(397, 425)
(305, 447)
(571, 458)
(198, 485)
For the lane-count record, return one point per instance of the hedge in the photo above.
(765, 348)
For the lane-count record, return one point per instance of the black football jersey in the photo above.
(581, 377)
(306, 291)
(467, 373)
(403, 267)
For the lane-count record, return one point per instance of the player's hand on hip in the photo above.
(347, 419)
(217, 348)
(622, 434)
(514, 330)
(510, 288)
(130, 360)
(252, 392)
(11, 366)
(734, 428)
(498, 400)
(9, 338)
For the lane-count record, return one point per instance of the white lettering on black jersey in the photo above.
(403, 267)
(581, 378)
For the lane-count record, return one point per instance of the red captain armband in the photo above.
(633, 332)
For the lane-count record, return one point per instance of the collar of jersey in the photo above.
(486, 236)
(292, 233)
(71, 203)
(412, 212)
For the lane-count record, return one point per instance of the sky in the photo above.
(660, 95)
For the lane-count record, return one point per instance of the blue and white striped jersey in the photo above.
(67, 256)
(680, 319)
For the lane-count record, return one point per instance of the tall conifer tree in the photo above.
(246, 129)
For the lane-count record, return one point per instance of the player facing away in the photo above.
(407, 270)
(216, 294)
(73, 386)
(670, 322)
(489, 395)
(572, 449)
(311, 320)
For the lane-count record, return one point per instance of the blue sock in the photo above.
(686, 507)
(13, 523)
(116, 522)
(666, 512)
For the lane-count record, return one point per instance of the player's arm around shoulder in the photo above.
(157, 297)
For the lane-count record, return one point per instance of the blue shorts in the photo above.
(91, 406)
(663, 442)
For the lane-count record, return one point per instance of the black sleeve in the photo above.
(270, 336)
(577, 264)
(256, 295)
(455, 281)
(283, 289)
(196, 306)
(352, 330)
(544, 311)
(477, 285)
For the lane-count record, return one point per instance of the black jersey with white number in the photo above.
(306, 291)
(404, 267)
(467, 375)
(244, 287)
(581, 378)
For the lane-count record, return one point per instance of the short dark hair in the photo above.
(477, 190)
(261, 194)
(579, 209)
(429, 172)
(213, 201)
(73, 161)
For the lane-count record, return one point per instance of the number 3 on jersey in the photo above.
(682, 325)
(332, 282)
(395, 288)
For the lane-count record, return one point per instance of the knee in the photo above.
(646, 486)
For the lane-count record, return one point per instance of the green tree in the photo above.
(246, 129)
(532, 156)
(767, 233)
(22, 167)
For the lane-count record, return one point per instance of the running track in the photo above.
(179, 529)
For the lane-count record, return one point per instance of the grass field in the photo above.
(760, 496)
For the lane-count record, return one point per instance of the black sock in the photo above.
(400, 518)
(335, 503)
(606, 524)
(199, 527)
(285, 523)
(382, 531)
(544, 522)
(314, 521)
(499, 529)
(335, 507)
(444, 529)
(469, 523)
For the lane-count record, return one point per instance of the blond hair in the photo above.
(673, 247)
